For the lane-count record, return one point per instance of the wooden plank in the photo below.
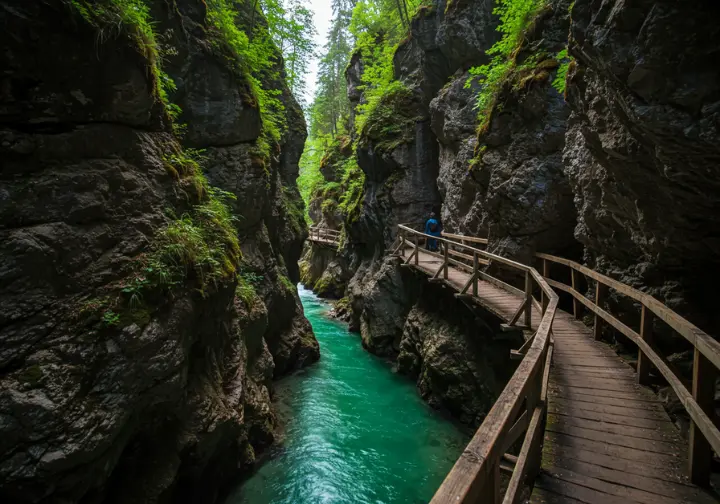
(601, 416)
(584, 389)
(540, 496)
(573, 394)
(553, 452)
(621, 439)
(659, 416)
(581, 493)
(659, 433)
(610, 489)
(676, 492)
(622, 452)
(610, 373)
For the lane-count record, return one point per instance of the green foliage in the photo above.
(253, 57)
(133, 17)
(293, 209)
(391, 121)
(247, 283)
(515, 17)
(353, 183)
(291, 27)
(286, 283)
(561, 75)
(110, 318)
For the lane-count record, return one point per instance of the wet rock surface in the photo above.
(642, 147)
(172, 399)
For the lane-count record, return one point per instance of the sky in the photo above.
(322, 10)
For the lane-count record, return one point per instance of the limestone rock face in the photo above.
(508, 183)
(171, 399)
(643, 146)
(458, 366)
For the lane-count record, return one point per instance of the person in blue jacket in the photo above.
(432, 227)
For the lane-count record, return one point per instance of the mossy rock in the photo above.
(31, 376)
(392, 122)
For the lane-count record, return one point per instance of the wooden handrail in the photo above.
(324, 234)
(698, 402)
(520, 408)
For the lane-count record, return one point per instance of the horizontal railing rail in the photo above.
(704, 435)
(520, 411)
(326, 235)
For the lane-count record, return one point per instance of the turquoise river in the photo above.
(353, 431)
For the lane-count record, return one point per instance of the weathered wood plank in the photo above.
(554, 452)
(676, 492)
(624, 411)
(540, 496)
(581, 493)
(658, 434)
(611, 489)
(601, 417)
(641, 456)
(614, 438)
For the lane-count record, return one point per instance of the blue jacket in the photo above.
(437, 227)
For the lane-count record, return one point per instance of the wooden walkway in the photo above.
(607, 439)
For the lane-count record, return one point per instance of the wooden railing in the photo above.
(698, 399)
(324, 235)
(520, 410)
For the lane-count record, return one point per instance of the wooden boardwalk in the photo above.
(607, 440)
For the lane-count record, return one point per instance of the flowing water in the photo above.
(354, 432)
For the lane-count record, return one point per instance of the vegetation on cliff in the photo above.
(365, 35)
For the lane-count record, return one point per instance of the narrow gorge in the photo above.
(172, 170)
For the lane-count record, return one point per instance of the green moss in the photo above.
(31, 375)
(354, 190)
(563, 63)
(245, 290)
(253, 56)
(392, 121)
(132, 17)
(293, 209)
(286, 283)
(516, 21)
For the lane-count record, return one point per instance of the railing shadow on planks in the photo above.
(522, 406)
(324, 236)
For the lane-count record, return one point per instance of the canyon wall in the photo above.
(615, 166)
(136, 347)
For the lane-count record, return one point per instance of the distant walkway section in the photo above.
(324, 236)
(574, 421)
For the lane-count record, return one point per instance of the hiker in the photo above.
(432, 227)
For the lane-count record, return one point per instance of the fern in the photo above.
(561, 75)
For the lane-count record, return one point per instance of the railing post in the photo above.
(402, 243)
(475, 274)
(577, 307)
(445, 261)
(490, 493)
(703, 390)
(600, 292)
(417, 250)
(643, 363)
(546, 274)
(528, 299)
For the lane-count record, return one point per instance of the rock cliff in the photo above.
(136, 346)
(614, 166)
(643, 147)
